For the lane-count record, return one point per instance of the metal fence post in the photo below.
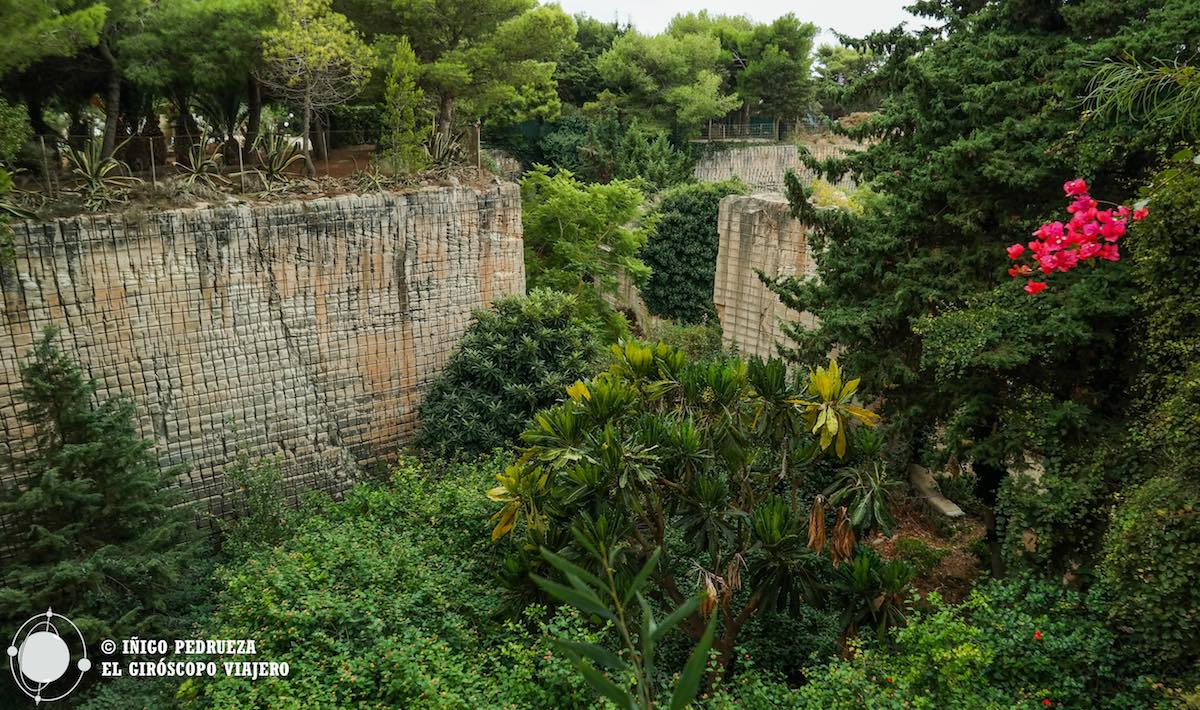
(153, 172)
(46, 167)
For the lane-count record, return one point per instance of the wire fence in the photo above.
(780, 131)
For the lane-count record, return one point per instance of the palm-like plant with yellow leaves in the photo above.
(829, 407)
(665, 449)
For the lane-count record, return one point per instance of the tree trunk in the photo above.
(445, 115)
(322, 150)
(37, 117)
(304, 131)
(253, 112)
(185, 129)
(112, 101)
(987, 488)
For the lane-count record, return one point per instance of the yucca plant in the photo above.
(866, 491)
(607, 598)
(102, 184)
(201, 167)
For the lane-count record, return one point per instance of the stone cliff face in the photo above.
(758, 233)
(304, 330)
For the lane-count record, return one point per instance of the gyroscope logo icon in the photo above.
(40, 657)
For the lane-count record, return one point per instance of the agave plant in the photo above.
(16, 203)
(101, 182)
(444, 151)
(276, 154)
(866, 491)
(201, 167)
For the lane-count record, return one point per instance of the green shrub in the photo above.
(785, 644)
(95, 531)
(1149, 575)
(389, 600)
(699, 342)
(1166, 269)
(260, 514)
(1011, 644)
(650, 158)
(514, 359)
(14, 130)
(583, 239)
(919, 553)
(682, 253)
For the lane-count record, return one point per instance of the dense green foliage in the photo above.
(583, 239)
(1149, 576)
(700, 463)
(516, 358)
(1011, 644)
(682, 254)
(94, 531)
(681, 488)
(599, 148)
(388, 600)
(1166, 268)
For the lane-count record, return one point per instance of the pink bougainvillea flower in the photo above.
(1090, 233)
(1075, 187)
(1037, 635)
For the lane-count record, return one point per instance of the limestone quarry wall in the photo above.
(757, 233)
(304, 330)
(764, 166)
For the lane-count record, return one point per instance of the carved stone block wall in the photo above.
(302, 330)
(758, 233)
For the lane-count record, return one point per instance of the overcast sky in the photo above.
(852, 17)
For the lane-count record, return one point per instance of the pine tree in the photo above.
(97, 530)
(403, 139)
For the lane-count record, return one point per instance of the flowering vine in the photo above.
(1090, 234)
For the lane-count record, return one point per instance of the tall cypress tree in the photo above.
(404, 134)
(98, 532)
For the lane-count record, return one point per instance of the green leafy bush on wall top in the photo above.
(515, 359)
(682, 253)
